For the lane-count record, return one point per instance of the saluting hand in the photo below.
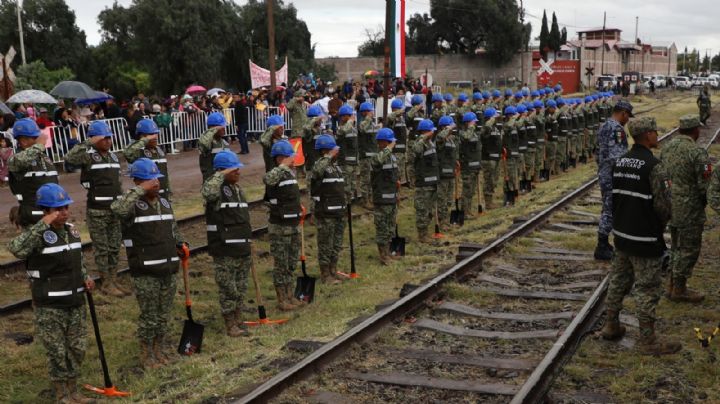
(49, 218)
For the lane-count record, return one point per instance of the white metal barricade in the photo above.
(257, 120)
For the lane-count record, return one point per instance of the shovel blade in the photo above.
(457, 217)
(191, 339)
(397, 246)
(305, 288)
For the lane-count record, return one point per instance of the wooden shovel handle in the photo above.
(186, 276)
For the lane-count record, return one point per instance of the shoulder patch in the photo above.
(142, 205)
(50, 237)
(165, 203)
(147, 153)
(707, 171)
(227, 191)
(96, 157)
(74, 231)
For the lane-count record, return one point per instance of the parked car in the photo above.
(700, 81)
(682, 82)
(605, 82)
(659, 80)
(714, 83)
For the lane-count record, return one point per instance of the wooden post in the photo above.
(271, 48)
(386, 73)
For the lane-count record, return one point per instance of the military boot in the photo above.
(283, 303)
(239, 321)
(612, 329)
(147, 360)
(114, 281)
(650, 344)
(423, 236)
(603, 250)
(367, 203)
(107, 287)
(669, 287)
(680, 292)
(61, 396)
(333, 271)
(382, 255)
(157, 351)
(231, 328)
(326, 276)
(74, 394)
(291, 296)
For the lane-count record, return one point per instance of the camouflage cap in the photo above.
(689, 121)
(642, 125)
(300, 93)
(624, 106)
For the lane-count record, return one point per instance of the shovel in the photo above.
(305, 285)
(110, 390)
(353, 274)
(457, 216)
(262, 314)
(437, 233)
(192, 334)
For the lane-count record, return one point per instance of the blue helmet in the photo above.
(525, 92)
(489, 112)
(144, 169)
(386, 134)
(560, 101)
(595, 97)
(416, 99)
(551, 104)
(519, 94)
(486, 95)
(462, 97)
(508, 92)
(275, 120)
(366, 107)
(529, 105)
(611, 93)
(510, 110)
(52, 195)
(314, 111)
(146, 127)
(437, 97)
(345, 110)
(25, 127)
(520, 109)
(549, 90)
(557, 87)
(495, 93)
(282, 148)
(216, 119)
(589, 98)
(537, 104)
(542, 91)
(325, 142)
(448, 97)
(425, 125)
(445, 121)
(99, 128)
(397, 103)
(477, 96)
(535, 93)
(226, 159)
(469, 117)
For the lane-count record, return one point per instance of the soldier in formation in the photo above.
(347, 141)
(447, 149)
(146, 146)
(275, 131)
(413, 118)
(470, 160)
(427, 173)
(367, 149)
(511, 155)
(385, 191)
(491, 153)
(211, 142)
(311, 132)
(229, 236)
(704, 104)
(396, 122)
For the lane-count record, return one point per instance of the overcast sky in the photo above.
(338, 27)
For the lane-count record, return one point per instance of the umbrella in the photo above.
(32, 97)
(195, 89)
(73, 89)
(99, 97)
(4, 108)
(371, 73)
(214, 91)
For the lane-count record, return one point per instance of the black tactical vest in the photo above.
(366, 140)
(564, 125)
(206, 160)
(284, 200)
(539, 129)
(149, 240)
(491, 139)
(348, 143)
(308, 142)
(552, 127)
(400, 131)
(101, 179)
(229, 232)
(447, 156)
(328, 192)
(55, 271)
(384, 182)
(158, 156)
(511, 139)
(637, 228)
(427, 166)
(25, 186)
(531, 134)
(471, 151)
(522, 135)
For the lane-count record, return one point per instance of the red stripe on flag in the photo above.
(402, 38)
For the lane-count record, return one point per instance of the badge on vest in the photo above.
(619, 136)
(147, 153)
(114, 157)
(707, 172)
(96, 157)
(75, 233)
(33, 163)
(142, 205)
(226, 190)
(165, 203)
(50, 237)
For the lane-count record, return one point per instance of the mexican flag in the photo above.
(397, 38)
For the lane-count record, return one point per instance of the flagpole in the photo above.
(386, 74)
(271, 48)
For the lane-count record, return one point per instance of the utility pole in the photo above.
(389, 28)
(636, 29)
(271, 47)
(708, 58)
(20, 30)
(602, 62)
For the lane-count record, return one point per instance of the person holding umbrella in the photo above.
(145, 146)
(385, 177)
(28, 170)
(58, 280)
(229, 237)
(328, 192)
(153, 243)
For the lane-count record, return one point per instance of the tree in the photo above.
(374, 45)
(35, 75)
(544, 36)
(50, 34)
(421, 38)
(563, 36)
(555, 41)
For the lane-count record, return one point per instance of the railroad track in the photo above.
(537, 304)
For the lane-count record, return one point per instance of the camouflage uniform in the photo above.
(713, 192)
(266, 141)
(330, 230)
(347, 158)
(298, 115)
(565, 128)
(552, 129)
(366, 136)
(446, 183)
(540, 142)
(705, 105)
(491, 158)
(384, 214)
(425, 196)
(208, 147)
(511, 144)
(414, 115)
(396, 122)
(689, 169)
(103, 225)
(138, 149)
(284, 240)
(612, 143)
(471, 165)
(62, 331)
(231, 273)
(154, 293)
(438, 112)
(23, 184)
